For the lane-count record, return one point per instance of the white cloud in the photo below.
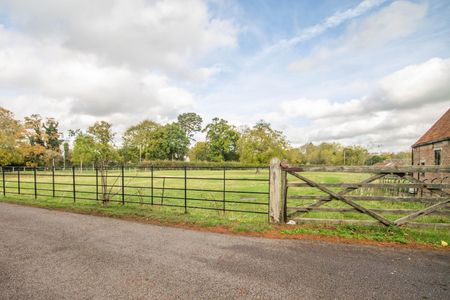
(399, 19)
(164, 35)
(386, 131)
(313, 31)
(319, 108)
(115, 60)
(418, 84)
(50, 70)
(126, 60)
(333, 21)
(394, 115)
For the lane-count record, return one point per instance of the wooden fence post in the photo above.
(284, 192)
(275, 191)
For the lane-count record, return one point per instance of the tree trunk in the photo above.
(104, 180)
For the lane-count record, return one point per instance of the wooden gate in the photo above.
(372, 196)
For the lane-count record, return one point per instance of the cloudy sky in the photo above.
(372, 72)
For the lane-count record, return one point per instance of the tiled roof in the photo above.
(439, 131)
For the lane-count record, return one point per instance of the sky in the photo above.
(374, 73)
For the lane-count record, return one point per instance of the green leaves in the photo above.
(190, 123)
(152, 141)
(83, 149)
(11, 132)
(261, 143)
(175, 142)
(222, 138)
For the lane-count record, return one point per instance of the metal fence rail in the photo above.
(147, 186)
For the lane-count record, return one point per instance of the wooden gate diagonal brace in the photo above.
(422, 212)
(346, 190)
(426, 210)
(343, 199)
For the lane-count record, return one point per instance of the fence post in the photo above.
(73, 183)
(284, 193)
(275, 191)
(3, 181)
(123, 186)
(35, 183)
(96, 183)
(224, 185)
(185, 189)
(151, 191)
(18, 181)
(53, 182)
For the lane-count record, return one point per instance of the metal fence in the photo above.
(226, 189)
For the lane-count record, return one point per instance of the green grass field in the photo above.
(245, 200)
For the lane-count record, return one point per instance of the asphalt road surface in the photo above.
(56, 255)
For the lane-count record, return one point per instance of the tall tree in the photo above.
(199, 152)
(103, 138)
(223, 139)
(355, 155)
(44, 141)
(143, 141)
(33, 155)
(52, 134)
(34, 152)
(104, 152)
(261, 143)
(11, 133)
(34, 130)
(175, 142)
(295, 156)
(83, 149)
(190, 123)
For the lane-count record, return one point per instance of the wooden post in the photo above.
(284, 194)
(275, 191)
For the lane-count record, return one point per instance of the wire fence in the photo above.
(226, 189)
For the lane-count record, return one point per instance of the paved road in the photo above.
(56, 255)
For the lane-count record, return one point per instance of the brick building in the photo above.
(433, 148)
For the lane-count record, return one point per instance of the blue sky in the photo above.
(369, 72)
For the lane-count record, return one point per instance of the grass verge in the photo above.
(240, 224)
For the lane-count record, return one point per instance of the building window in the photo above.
(437, 157)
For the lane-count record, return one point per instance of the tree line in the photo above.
(37, 141)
